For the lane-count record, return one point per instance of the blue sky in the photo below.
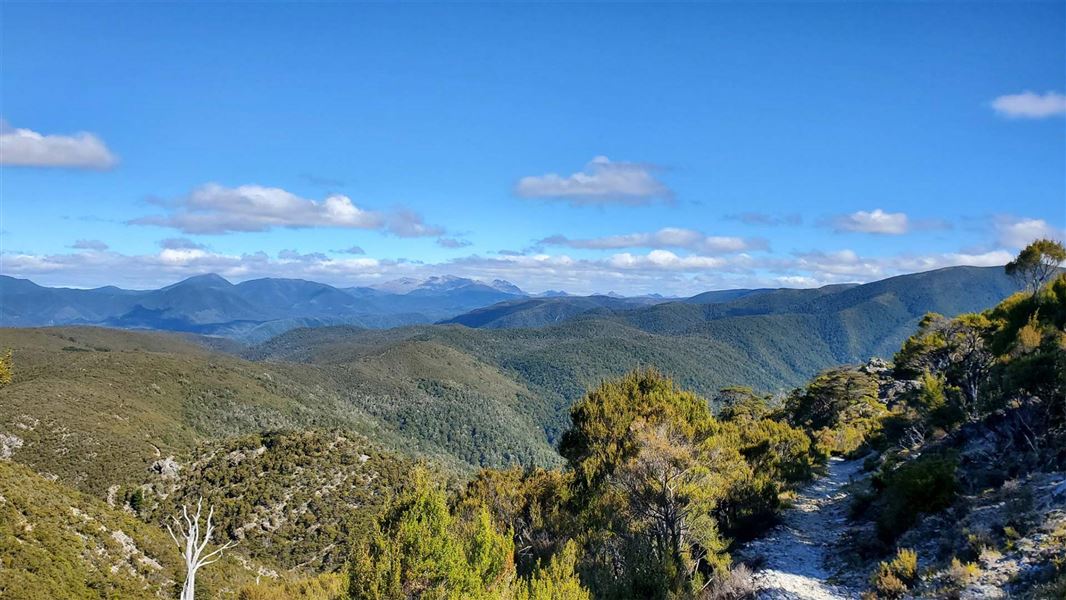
(635, 148)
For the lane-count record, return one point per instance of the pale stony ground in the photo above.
(800, 555)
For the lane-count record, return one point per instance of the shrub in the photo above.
(1056, 588)
(328, 586)
(961, 574)
(925, 485)
(556, 580)
(736, 584)
(896, 577)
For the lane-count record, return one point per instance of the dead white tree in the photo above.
(192, 541)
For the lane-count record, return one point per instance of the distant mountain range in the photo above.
(254, 310)
(257, 310)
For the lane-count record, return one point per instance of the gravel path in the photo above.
(799, 555)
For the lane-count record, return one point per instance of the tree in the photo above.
(531, 502)
(6, 373)
(955, 349)
(192, 545)
(826, 399)
(421, 550)
(670, 489)
(556, 580)
(741, 403)
(971, 359)
(648, 475)
(1037, 263)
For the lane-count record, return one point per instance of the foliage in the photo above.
(840, 407)
(933, 404)
(421, 550)
(896, 577)
(534, 503)
(779, 456)
(296, 498)
(741, 403)
(556, 580)
(956, 349)
(1037, 263)
(6, 369)
(61, 544)
(924, 485)
(1029, 342)
(327, 586)
(648, 474)
(962, 573)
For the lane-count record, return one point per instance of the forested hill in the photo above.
(772, 341)
(951, 290)
(537, 312)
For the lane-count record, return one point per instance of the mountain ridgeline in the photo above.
(768, 339)
(257, 310)
(250, 311)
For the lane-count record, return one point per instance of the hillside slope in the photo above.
(538, 312)
(99, 407)
(61, 544)
(772, 340)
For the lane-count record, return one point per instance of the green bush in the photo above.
(556, 580)
(925, 485)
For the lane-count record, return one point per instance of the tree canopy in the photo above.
(1037, 263)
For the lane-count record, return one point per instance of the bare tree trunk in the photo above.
(192, 545)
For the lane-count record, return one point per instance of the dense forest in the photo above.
(653, 492)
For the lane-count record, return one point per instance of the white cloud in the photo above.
(351, 250)
(174, 262)
(216, 209)
(27, 148)
(602, 182)
(875, 221)
(664, 259)
(290, 256)
(453, 243)
(1029, 105)
(407, 223)
(848, 266)
(668, 237)
(180, 244)
(758, 218)
(94, 245)
(1018, 232)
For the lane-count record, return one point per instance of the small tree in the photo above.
(6, 374)
(1037, 263)
(192, 544)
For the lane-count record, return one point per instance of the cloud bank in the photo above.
(216, 209)
(656, 271)
(667, 237)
